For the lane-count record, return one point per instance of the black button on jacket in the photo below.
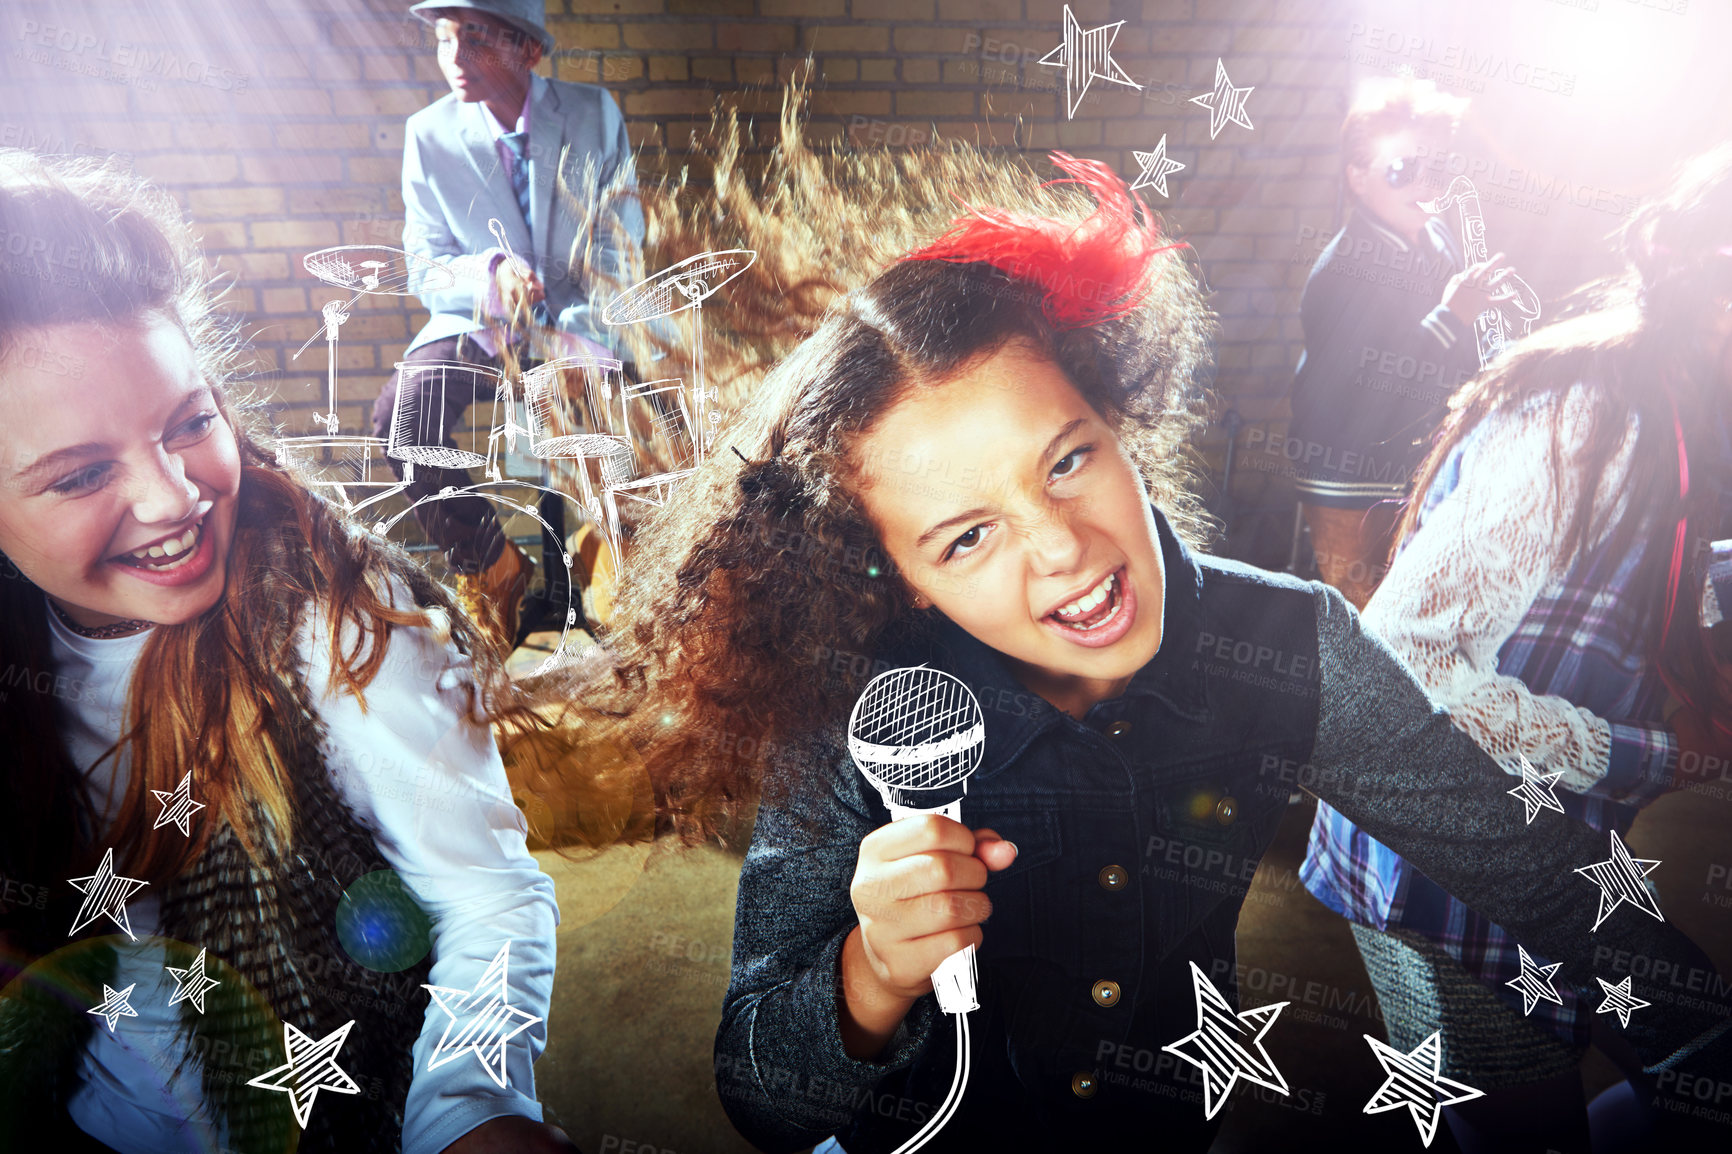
(1263, 683)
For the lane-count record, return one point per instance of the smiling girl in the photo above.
(973, 461)
(184, 622)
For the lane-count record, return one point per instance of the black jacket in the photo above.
(1262, 683)
(1382, 357)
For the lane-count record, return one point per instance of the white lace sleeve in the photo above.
(1484, 554)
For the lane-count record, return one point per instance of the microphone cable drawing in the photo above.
(917, 734)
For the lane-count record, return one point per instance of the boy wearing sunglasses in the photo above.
(1388, 315)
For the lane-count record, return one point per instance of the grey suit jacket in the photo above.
(454, 183)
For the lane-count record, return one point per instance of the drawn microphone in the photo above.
(916, 734)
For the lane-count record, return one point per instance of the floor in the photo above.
(644, 946)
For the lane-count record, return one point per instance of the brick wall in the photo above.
(280, 127)
(276, 126)
(898, 72)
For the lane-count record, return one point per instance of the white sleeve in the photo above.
(1462, 584)
(429, 783)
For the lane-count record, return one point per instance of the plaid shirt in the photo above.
(1583, 639)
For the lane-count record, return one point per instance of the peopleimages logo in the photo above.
(1491, 176)
(129, 61)
(15, 135)
(1461, 65)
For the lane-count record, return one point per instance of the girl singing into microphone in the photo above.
(974, 459)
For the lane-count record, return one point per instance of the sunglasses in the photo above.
(1402, 171)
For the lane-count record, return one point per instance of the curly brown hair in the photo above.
(1388, 104)
(765, 562)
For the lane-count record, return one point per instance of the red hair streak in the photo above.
(1088, 272)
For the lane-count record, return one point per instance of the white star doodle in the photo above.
(1222, 1046)
(177, 805)
(105, 893)
(1536, 790)
(1535, 982)
(491, 1021)
(312, 1066)
(1414, 1082)
(1155, 168)
(114, 1005)
(1226, 104)
(1619, 1000)
(1086, 57)
(190, 984)
(1620, 880)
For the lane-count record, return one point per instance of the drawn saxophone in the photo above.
(1492, 328)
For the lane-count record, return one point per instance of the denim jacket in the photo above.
(1139, 828)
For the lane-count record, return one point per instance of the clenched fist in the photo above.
(917, 892)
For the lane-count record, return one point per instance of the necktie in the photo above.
(518, 143)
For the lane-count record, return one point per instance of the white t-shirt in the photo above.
(430, 785)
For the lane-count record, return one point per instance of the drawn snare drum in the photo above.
(341, 461)
(575, 407)
(427, 422)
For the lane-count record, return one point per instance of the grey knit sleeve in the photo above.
(1391, 761)
(781, 1072)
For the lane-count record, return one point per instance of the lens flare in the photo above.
(381, 926)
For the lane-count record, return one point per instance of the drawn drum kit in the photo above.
(602, 440)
